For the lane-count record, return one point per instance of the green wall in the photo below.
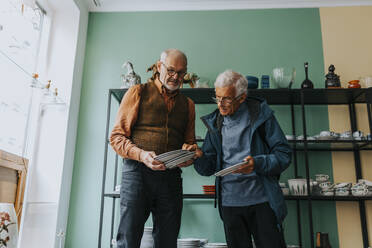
(249, 41)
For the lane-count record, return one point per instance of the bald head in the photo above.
(172, 68)
(173, 54)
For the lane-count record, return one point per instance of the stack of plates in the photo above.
(147, 240)
(215, 245)
(173, 158)
(228, 170)
(209, 189)
(188, 243)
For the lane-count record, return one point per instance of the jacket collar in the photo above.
(210, 120)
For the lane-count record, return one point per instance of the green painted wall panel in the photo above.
(250, 41)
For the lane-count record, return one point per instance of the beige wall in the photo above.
(347, 43)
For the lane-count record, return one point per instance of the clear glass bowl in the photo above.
(283, 77)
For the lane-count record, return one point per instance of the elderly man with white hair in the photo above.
(153, 118)
(250, 200)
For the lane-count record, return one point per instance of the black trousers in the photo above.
(259, 221)
(142, 192)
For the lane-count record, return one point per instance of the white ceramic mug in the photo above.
(358, 134)
(321, 177)
(285, 191)
(325, 185)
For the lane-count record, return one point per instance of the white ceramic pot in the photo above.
(299, 186)
(8, 220)
(366, 82)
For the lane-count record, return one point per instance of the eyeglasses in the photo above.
(225, 100)
(172, 72)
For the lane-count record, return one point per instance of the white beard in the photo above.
(172, 88)
(169, 87)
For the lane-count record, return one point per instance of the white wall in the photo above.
(50, 171)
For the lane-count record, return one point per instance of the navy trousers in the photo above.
(144, 191)
(259, 221)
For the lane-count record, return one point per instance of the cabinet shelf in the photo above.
(331, 145)
(291, 97)
(287, 197)
(328, 145)
(280, 96)
(185, 196)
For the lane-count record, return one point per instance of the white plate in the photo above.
(178, 160)
(169, 155)
(230, 169)
(168, 158)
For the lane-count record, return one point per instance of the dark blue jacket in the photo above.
(272, 154)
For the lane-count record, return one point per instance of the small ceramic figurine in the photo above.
(130, 78)
(332, 79)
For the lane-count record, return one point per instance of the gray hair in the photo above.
(230, 77)
(165, 54)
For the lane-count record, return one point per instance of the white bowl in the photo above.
(282, 77)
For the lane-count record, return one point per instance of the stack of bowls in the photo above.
(209, 189)
(215, 245)
(147, 240)
(188, 243)
(324, 185)
(342, 189)
(361, 189)
(369, 185)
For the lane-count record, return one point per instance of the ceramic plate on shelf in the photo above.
(330, 137)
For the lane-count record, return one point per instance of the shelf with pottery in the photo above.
(287, 197)
(280, 96)
(328, 145)
(116, 194)
(331, 145)
(291, 97)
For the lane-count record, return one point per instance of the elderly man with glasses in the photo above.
(250, 199)
(153, 118)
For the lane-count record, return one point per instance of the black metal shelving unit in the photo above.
(289, 97)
